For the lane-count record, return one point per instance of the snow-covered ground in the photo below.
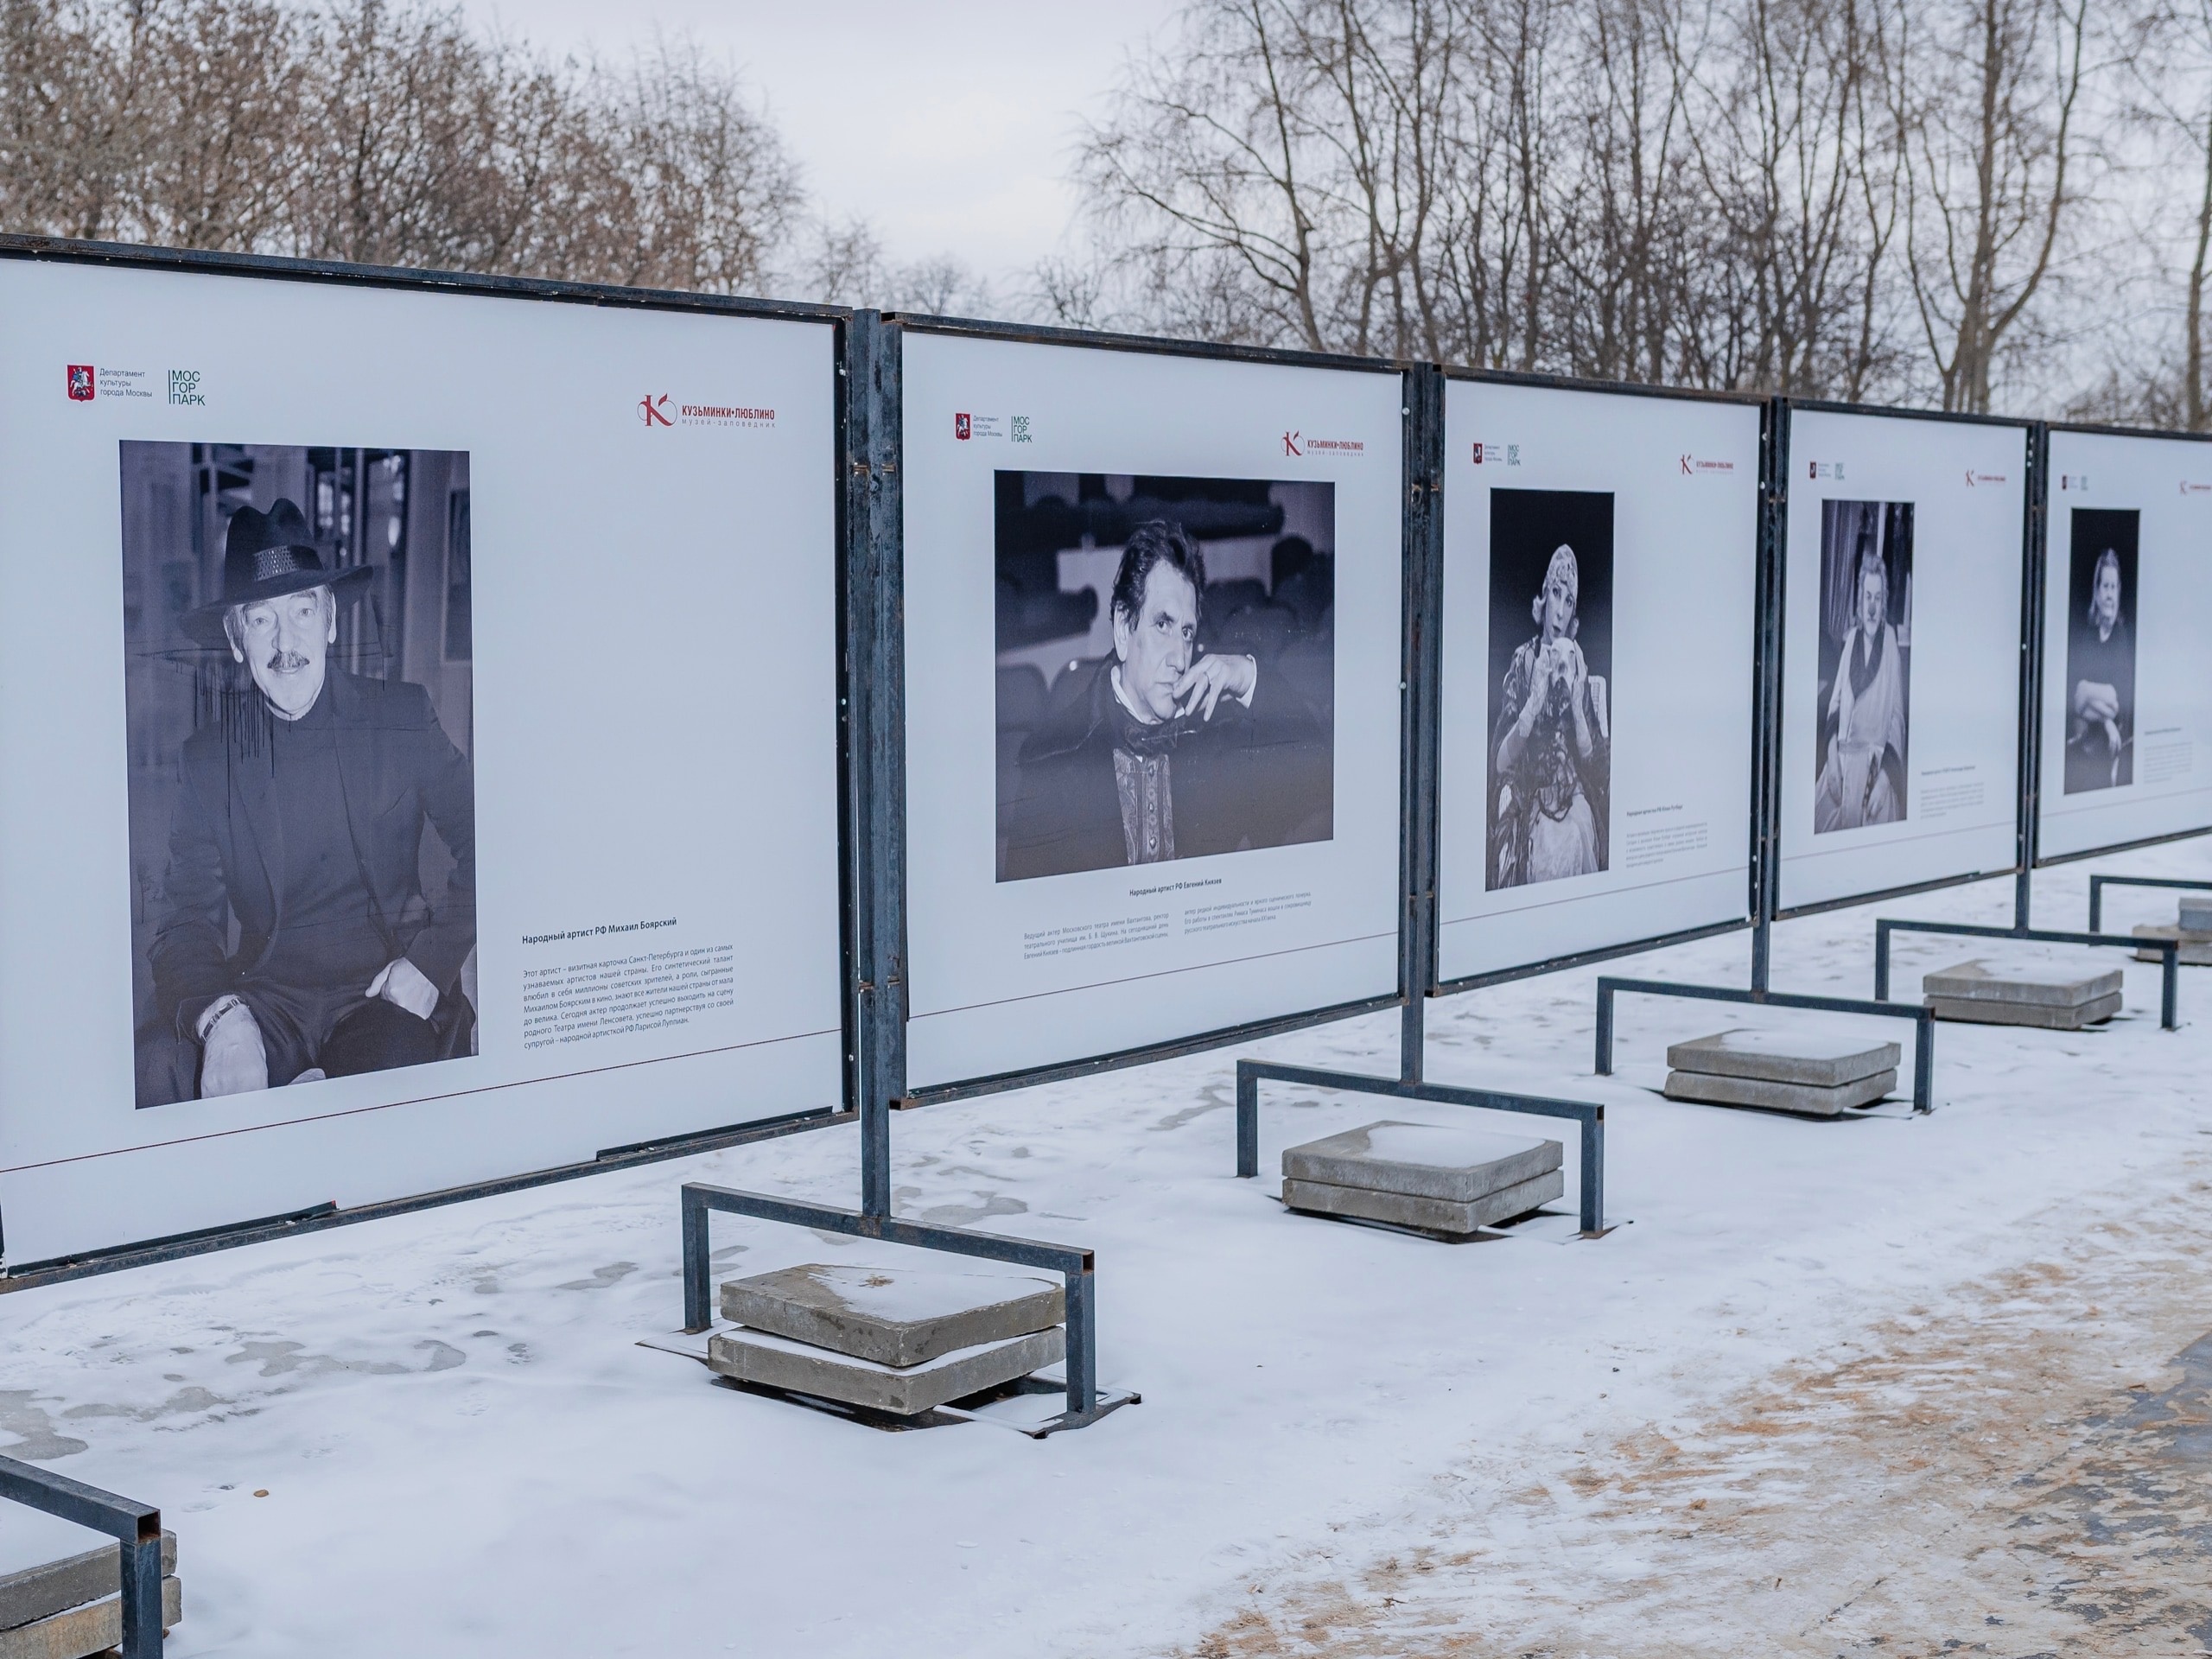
(1741, 1422)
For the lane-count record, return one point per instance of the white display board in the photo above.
(1900, 757)
(553, 588)
(1594, 753)
(1097, 860)
(2127, 704)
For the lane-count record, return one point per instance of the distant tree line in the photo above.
(1935, 200)
(1977, 204)
(385, 134)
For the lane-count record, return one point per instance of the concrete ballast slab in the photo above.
(904, 1391)
(1809, 1099)
(1978, 982)
(2195, 948)
(1823, 1062)
(78, 1633)
(1436, 1215)
(1982, 1011)
(894, 1316)
(2196, 913)
(39, 1593)
(1423, 1161)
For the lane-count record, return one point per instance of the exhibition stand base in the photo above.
(1420, 1177)
(2203, 908)
(1808, 1074)
(900, 1341)
(1736, 1086)
(1957, 1006)
(830, 1336)
(1423, 1177)
(2192, 931)
(118, 1597)
(72, 1608)
(2195, 944)
(1974, 991)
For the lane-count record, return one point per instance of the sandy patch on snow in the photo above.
(2031, 1473)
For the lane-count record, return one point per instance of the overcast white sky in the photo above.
(947, 124)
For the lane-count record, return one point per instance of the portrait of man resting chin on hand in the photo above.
(1164, 750)
(292, 939)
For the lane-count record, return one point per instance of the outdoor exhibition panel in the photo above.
(1153, 613)
(1901, 652)
(423, 767)
(2127, 698)
(1595, 725)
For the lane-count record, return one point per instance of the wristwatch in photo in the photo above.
(216, 1010)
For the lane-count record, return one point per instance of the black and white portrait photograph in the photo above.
(298, 632)
(1551, 648)
(1864, 723)
(1166, 668)
(2100, 649)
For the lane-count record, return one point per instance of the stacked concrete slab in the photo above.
(72, 1608)
(2052, 999)
(1815, 1074)
(2193, 928)
(899, 1340)
(1424, 1176)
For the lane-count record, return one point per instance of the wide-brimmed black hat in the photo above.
(266, 556)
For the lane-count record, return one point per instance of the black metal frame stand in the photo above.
(2168, 951)
(2029, 794)
(1075, 1265)
(1420, 675)
(874, 809)
(2099, 883)
(1766, 818)
(1923, 1037)
(138, 1527)
(1251, 1073)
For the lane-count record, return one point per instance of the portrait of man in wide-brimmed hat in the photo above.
(292, 939)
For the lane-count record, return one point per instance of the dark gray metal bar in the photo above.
(2168, 951)
(136, 1526)
(2034, 527)
(2099, 883)
(875, 807)
(1251, 1073)
(1076, 1265)
(1766, 682)
(1924, 1046)
(1419, 672)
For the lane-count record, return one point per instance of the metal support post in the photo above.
(135, 1527)
(875, 770)
(1419, 682)
(2035, 525)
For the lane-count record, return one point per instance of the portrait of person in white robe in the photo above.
(1551, 756)
(1861, 780)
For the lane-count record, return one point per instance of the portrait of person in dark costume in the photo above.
(288, 932)
(1178, 741)
(1550, 712)
(2101, 650)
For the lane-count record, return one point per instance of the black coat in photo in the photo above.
(1256, 777)
(396, 771)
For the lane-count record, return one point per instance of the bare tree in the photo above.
(383, 133)
(1987, 98)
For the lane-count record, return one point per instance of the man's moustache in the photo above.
(287, 662)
